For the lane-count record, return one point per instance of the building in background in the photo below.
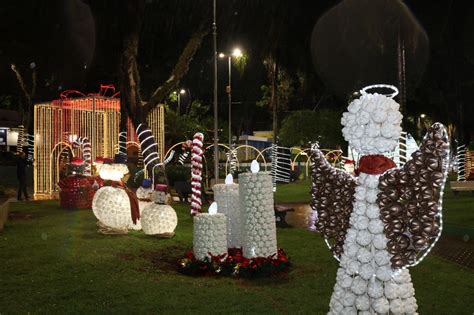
(9, 122)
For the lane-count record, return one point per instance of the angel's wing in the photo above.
(332, 195)
(410, 200)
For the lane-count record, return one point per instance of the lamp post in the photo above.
(214, 53)
(181, 92)
(235, 53)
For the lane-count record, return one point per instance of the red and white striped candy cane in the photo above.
(84, 144)
(196, 173)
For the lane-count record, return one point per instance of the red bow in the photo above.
(375, 164)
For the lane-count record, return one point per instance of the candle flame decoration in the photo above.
(255, 167)
(229, 179)
(212, 209)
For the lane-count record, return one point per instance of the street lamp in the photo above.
(181, 92)
(237, 53)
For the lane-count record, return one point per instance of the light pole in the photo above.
(235, 53)
(181, 92)
(214, 52)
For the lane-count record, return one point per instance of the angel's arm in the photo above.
(332, 195)
(410, 200)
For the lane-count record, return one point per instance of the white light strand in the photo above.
(168, 159)
(31, 146)
(461, 162)
(20, 141)
(381, 86)
(281, 165)
(123, 143)
(196, 173)
(148, 147)
(84, 145)
(440, 202)
(182, 157)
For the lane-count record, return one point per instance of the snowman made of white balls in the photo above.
(111, 205)
(158, 218)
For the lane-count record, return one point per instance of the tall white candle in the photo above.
(256, 199)
(228, 202)
(209, 234)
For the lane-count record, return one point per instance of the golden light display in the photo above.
(95, 117)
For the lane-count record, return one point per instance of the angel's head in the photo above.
(372, 123)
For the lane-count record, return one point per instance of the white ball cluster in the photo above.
(111, 206)
(258, 214)
(209, 235)
(372, 124)
(365, 281)
(158, 219)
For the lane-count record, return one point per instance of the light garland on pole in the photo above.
(196, 173)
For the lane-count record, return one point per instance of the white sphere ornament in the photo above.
(111, 206)
(159, 220)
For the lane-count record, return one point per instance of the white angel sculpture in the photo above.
(387, 218)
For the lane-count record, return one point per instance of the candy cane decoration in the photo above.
(182, 157)
(196, 173)
(188, 145)
(31, 146)
(21, 139)
(85, 146)
(148, 147)
(123, 143)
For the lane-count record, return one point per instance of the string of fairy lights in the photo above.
(96, 118)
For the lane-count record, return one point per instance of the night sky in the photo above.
(76, 44)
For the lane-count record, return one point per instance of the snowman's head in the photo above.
(372, 122)
(113, 171)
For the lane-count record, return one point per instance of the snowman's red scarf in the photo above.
(135, 211)
(375, 164)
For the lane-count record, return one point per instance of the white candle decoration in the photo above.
(158, 219)
(256, 199)
(228, 201)
(209, 235)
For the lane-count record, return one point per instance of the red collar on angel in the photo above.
(375, 164)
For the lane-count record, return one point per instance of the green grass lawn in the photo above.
(297, 192)
(56, 262)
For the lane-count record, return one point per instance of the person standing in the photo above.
(21, 164)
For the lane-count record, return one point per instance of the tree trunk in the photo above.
(131, 103)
